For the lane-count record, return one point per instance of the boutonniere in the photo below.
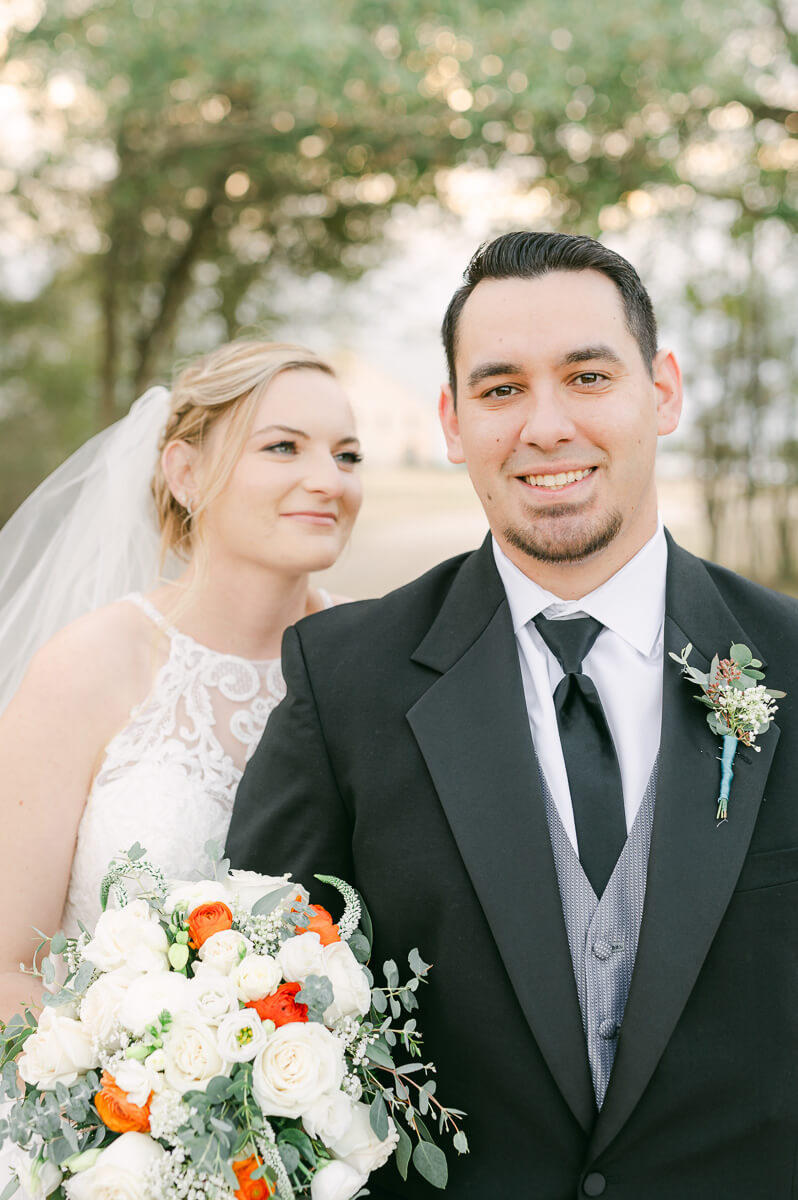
(740, 706)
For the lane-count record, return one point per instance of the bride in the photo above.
(134, 722)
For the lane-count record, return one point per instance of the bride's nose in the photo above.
(324, 475)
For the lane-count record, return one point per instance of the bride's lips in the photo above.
(324, 519)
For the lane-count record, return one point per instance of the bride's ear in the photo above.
(178, 463)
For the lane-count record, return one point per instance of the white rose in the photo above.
(99, 1008)
(120, 1171)
(241, 1035)
(300, 1062)
(351, 991)
(247, 887)
(192, 895)
(336, 1181)
(328, 1117)
(212, 995)
(300, 956)
(58, 1052)
(224, 950)
(38, 1177)
(192, 1054)
(148, 996)
(360, 1147)
(129, 937)
(256, 976)
(136, 1079)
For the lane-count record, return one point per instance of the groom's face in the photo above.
(557, 417)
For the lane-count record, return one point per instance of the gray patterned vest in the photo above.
(603, 934)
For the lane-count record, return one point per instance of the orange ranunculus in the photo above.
(206, 920)
(117, 1112)
(281, 1006)
(322, 924)
(249, 1188)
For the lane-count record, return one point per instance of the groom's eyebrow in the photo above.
(589, 353)
(490, 369)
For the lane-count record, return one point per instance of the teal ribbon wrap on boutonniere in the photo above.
(741, 707)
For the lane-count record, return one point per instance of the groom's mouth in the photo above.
(557, 482)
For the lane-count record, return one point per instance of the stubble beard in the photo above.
(567, 544)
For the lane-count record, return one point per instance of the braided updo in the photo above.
(225, 385)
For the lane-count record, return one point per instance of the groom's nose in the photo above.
(547, 419)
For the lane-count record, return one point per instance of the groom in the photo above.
(506, 762)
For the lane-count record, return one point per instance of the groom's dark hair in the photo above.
(528, 255)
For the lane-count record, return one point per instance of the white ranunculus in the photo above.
(119, 1172)
(129, 937)
(360, 1146)
(192, 1054)
(300, 1062)
(256, 976)
(351, 991)
(336, 1181)
(137, 1080)
(328, 1117)
(241, 1035)
(192, 895)
(38, 1177)
(212, 995)
(300, 956)
(247, 887)
(58, 1052)
(225, 950)
(148, 996)
(99, 1008)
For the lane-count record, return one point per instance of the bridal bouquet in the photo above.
(220, 1038)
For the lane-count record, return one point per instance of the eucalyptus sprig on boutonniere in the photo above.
(740, 706)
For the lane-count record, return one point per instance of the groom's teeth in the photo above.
(560, 480)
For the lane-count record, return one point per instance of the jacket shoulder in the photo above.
(404, 613)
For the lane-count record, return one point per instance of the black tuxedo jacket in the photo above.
(401, 760)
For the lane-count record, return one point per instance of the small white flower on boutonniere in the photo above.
(740, 706)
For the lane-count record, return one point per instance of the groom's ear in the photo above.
(447, 411)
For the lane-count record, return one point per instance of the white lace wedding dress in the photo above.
(168, 779)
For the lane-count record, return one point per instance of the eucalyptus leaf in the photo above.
(136, 851)
(290, 1156)
(391, 973)
(268, 903)
(404, 1149)
(378, 1054)
(460, 1142)
(299, 1139)
(360, 947)
(58, 943)
(740, 654)
(379, 1000)
(11, 1187)
(83, 976)
(430, 1162)
(416, 963)
(378, 1117)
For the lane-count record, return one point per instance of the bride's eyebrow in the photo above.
(278, 429)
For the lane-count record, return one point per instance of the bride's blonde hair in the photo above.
(223, 386)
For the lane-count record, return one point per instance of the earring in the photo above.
(188, 507)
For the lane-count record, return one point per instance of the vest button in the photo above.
(594, 1184)
(602, 949)
(608, 1029)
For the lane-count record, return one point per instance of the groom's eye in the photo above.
(502, 390)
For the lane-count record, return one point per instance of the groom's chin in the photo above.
(561, 537)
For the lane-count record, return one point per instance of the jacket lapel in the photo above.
(472, 729)
(694, 861)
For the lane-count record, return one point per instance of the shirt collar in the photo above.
(631, 602)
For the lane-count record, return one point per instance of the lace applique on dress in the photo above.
(168, 779)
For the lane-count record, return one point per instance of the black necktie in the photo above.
(594, 776)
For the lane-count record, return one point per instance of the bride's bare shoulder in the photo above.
(108, 653)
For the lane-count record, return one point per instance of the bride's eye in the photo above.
(349, 458)
(281, 448)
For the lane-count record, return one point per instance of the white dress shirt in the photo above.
(624, 662)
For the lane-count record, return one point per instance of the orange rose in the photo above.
(249, 1188)
(206, 920)
(117, 1112)
(322, 924)
(281, 1006)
